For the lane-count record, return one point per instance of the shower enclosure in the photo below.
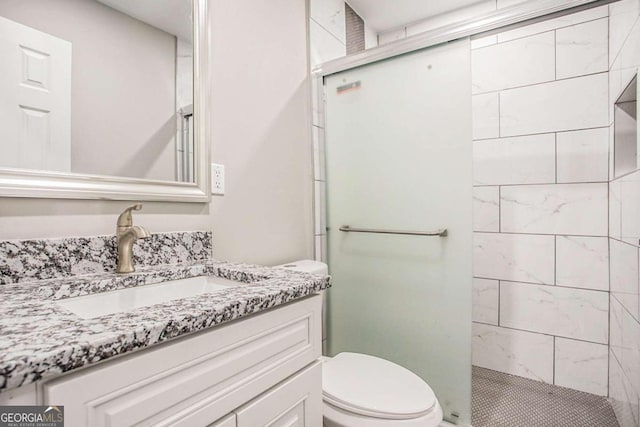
(398, 165)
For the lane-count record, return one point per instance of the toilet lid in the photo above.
(375, 387)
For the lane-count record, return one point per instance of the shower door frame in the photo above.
(483, 25)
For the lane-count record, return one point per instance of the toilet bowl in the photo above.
(365, 391)
(359, 390)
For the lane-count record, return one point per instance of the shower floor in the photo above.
(503, 400)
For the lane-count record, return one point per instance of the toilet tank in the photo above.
(306, 266)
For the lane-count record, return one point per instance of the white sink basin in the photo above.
(96, 305)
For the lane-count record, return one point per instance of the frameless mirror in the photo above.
(101, 91)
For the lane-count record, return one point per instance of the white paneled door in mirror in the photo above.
(100, 99)
(35, 99)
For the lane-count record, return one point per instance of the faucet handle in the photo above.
(125, 219)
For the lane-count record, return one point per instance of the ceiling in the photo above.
(172, 16)
(384, 15)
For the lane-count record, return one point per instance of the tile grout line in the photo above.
(520, 233)
(562, 27)
(499, 209)
(544, 133)
(510, 328)
(555, 138)
(555, 55)
(540, 184)
(545, 82)
(555, 260)
(624, 307)
(542, 284)
(499, 287)
(554, 360)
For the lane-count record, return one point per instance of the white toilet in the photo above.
(365, 391)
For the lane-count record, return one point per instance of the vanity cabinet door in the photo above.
(296, 402)
(192, 382)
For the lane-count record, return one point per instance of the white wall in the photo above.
(260, 101)
(260, 131)
(110, 78)
(624, 222)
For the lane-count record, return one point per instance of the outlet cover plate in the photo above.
(217, 179)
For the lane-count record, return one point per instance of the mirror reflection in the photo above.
(97, 87)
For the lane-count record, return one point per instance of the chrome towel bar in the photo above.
(442, 232)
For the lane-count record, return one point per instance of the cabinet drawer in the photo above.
(297, 402)
(194, 380)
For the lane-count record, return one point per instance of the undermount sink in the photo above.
(100, 304)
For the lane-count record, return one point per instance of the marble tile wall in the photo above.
(624, 229)
(541, 172)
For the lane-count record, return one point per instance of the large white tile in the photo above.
(520, 353)
(566, 312)
(624, 274)
(485, 301)
(582, 366)
(519, 257)
(324, 46)
(611, 145)
(518, 160)
(555, 209)
(615, 325)
(486, 209)
(630, 208)
(582, 49)
(519, 62)
(582, 262)
(630, 53)
(583, 156)
(615, 209)
(392, 36)
(622, 16)
(577, 103)
(552, 24)
(485, 116)
(629, 354)
(330, 15)
(621, 395)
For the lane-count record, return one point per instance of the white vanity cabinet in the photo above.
(257, 371)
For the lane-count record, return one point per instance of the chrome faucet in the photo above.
(126, 235)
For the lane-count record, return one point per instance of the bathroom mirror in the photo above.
(99, 99)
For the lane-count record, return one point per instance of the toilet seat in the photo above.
(373, 387)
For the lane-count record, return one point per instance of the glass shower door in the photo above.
(398, 157)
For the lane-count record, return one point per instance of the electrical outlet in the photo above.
(217, 179)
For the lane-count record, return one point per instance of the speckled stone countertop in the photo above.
(40, 339)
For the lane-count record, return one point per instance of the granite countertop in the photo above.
(39, 339)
